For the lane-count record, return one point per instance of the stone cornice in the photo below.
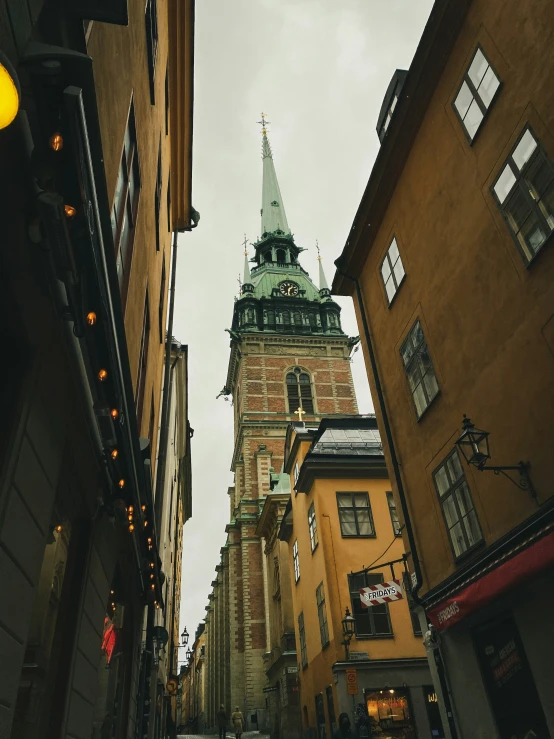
(272, 514)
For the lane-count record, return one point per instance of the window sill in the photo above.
(369, 637)
(461, 559)
(358, 536)
(324, 646)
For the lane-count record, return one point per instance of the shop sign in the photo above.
(171, 685)
(291, 670)
(512, 572)
(351, 681)
(272, 689)
(376, 595)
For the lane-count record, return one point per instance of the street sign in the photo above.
(351, 681)
(357, 656)
(376, 595)
(171, 686)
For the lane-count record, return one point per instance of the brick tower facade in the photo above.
(288, 353)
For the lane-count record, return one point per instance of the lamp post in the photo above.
(348, 629)
(474, 445)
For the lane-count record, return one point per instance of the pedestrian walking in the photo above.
(222, 721)
(238, 722)
(345, 730)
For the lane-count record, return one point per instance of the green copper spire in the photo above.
(273, 211)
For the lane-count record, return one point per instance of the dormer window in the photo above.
(390, 101)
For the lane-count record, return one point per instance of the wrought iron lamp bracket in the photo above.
(524, 482)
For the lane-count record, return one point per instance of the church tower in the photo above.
(290, 361)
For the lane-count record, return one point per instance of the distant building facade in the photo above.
(343, 534)
(451, 266)
(288, 353)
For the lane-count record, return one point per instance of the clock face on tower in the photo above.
(288, 288)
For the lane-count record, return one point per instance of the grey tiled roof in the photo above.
(361, 442)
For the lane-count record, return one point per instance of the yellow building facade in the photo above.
(343, 532)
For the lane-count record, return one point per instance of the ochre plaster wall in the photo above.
(487, 317)
(332, 561)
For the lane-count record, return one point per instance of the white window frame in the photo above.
(392, 271)
(312, 525)
(479, 78)
(296, 561)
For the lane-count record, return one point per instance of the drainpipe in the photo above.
(390, 442)
(437, 658)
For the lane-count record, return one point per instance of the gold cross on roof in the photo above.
(264, 123)
(245, 244)
(300, 412)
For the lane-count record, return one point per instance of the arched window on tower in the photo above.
(313, 321)
(296, 317)
(299, 391)
(286, 318)
(281, 256)
(271, 317)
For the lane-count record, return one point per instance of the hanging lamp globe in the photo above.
(9, 92)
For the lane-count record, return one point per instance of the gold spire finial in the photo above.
(263, 123)
(318, 253)
(245, 244)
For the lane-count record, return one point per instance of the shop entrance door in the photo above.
(509, 681)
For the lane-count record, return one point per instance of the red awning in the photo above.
(512, 572)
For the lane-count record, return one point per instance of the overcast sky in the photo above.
(319, 69)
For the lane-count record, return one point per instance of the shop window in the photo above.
(433, 712)
(158, 197)
(302, 637)
(320, 716)
(151, 22)
(355, 514)
(143, 360)
(167, 100)
(331, 709)
(125, 205)
(299, 391)
(375, 620)
(161, 303)
(524, 192)
(390, 713)
(392, 271)
(419, 369)
(396, 527)
(322, 615)
(476, 94)
(459, 514)
(312, 525)
(508, 679)
(296, 561)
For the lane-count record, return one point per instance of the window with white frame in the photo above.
(312, 525)
(461, 521)
(322, 615)
(476, 94)
(392, 270)
(296, 561)
(419, 369)
(302, 635)
(524, 192)
(296, 472)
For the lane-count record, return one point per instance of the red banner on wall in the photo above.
(513, 572)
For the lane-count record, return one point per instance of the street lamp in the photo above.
(188, 655)
(474, 445)
(348, 630)
(185, 637)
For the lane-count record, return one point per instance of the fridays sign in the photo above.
(376, 595)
